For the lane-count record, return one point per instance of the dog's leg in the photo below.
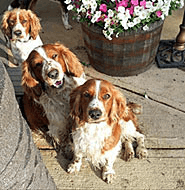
(129, 151)
(141, 151)
(65, 16)
(76, 164)
(108, 171)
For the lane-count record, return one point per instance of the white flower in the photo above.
(110, 13)
(106, 35)
(107, 23)
(69, 7)
(138, 9)
(124, 24)
(117, 35)
(136, 20)
(121, 9)
(165, 10)
(96, 16)
(67, 1)
(130, 24)
(145, 27)
(181, 3)
(160, 3)
(142, 15)
(149, 4)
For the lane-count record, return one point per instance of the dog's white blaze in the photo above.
(19, 26)
(42, 52)
(96, 103)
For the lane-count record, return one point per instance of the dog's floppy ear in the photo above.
(4, 24)
(75, 105)
(31, 86)
(35, 26)
(72, 63)
(122, 110)
(118, 109)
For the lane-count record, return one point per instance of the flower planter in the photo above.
(130, 54)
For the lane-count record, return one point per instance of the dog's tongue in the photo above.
(58, 83)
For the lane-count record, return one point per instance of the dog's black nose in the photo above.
(53, 74)
(95, 114)
(18, 32)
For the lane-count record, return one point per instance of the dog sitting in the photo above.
(103, 121)
(48, 76)
(31, 4)
(21, 29)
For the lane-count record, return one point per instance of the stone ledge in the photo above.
(21, 166)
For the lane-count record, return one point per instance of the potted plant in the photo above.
(122, 36)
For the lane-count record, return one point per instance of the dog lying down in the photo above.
(103, 121)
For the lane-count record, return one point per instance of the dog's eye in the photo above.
(87, 95)
(11, 22)
(24, 21)
(106, 96)
(54, 56)
(38, 64)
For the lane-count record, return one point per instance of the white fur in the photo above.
(89, 141)
(21, 49)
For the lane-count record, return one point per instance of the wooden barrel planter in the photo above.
(130, 54)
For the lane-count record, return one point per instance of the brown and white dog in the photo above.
(103, 121)
(48, 76)
(21, 29)
(31, 4)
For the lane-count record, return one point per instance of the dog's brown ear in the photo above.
(122, 110)
(72, 63)
(76, 111)
(118, 109)
(35, 26)
(31, 86)
(4, 24)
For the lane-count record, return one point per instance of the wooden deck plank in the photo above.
(154, 173)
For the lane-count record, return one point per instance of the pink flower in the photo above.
(131, 10)
(134, 2)
(143, 3)
(103, 8)
(158, 13)
(102, 18)
(123, 3)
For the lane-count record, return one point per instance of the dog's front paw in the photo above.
(74, 167)
(141, 152)
(108, 176)
(128, 154)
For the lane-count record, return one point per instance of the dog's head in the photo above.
(98, 100)
(47, 66)
(20, 24)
